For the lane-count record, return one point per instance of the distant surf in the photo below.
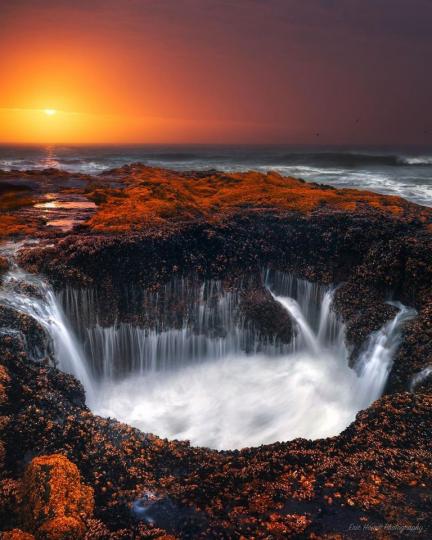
(407, 173)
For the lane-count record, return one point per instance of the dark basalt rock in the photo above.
(174, 305)
(376, 259)
(415, 352)
(363, 310)
(4, 266)
(268, 317)
(22, 328)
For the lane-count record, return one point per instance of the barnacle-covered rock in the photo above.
(18, 325)
(56, 503)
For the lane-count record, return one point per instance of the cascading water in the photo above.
(196, 369)
(33, 296)
(374, 364)
(420, 377)
(187, 322)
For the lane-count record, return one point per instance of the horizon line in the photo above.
(221, 144)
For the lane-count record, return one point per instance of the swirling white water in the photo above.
(210, 378)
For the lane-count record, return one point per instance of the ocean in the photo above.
(403, 172)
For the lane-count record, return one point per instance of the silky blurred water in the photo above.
(217, 390)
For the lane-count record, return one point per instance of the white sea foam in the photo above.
(238, 401)
(418, 160)
(206, 387)
(246, 400)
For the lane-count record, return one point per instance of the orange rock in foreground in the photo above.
(56, 502)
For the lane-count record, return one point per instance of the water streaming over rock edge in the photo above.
(37, 300)
(189, 321)
(208, 377)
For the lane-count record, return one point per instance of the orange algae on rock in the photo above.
(56, 502)
(12, 200)
(280, 526)
(16, 534)
(13, 225)
(151, 196)
(137, 198)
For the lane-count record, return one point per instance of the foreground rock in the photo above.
(55, 503)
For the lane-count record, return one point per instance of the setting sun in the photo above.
(50, 112)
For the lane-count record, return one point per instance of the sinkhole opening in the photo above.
(222, 365)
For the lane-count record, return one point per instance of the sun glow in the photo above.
(50, 112)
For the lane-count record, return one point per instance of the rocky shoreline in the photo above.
(150, 225)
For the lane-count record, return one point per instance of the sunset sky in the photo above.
(253, 71)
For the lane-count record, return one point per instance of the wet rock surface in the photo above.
(23, 328)
(4, 266)
(373, 480)
(267, 315)
(42, 203)
(415, 354)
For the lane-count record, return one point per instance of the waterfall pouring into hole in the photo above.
(206, 375)
(374, 364)
(42, 306)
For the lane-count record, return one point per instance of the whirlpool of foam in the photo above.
(210, 379)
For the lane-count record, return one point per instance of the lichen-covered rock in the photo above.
(4, 420)
(10, 502)
(56, 502)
